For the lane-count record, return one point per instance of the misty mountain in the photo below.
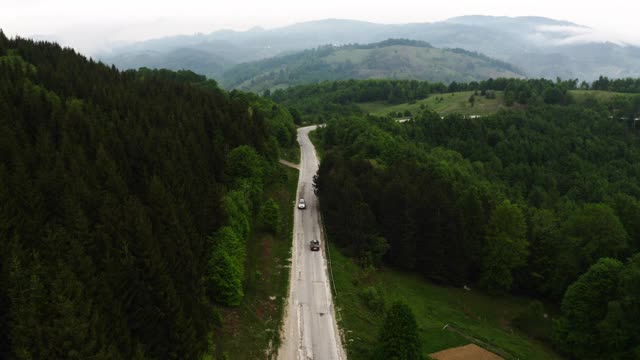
(540, 46)
(194, 59)
(390, 59)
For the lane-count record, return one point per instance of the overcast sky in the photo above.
(92, 26)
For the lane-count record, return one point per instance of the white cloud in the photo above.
(91, 25)
(564, 35)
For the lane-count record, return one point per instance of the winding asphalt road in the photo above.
(310, 329)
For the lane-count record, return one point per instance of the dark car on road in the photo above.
(315, 245)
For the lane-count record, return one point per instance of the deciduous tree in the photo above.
(399, 337)
(506, 246)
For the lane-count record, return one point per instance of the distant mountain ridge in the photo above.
(389, 59)
(483, 20)
(540, 46)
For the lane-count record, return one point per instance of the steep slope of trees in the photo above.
(429, 207)
(521, 201)
(118, 191)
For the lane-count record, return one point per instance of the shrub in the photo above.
(270, 216)
(372, 298)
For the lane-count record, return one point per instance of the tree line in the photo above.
(126, 199)
(543, 202)
(316, 103)
(626, 85)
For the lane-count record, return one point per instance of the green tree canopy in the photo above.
(270, 215)
(399, 338)
(244, 162)
(506, 246)
(596, 231)
(584, 307)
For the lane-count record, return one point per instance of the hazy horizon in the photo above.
(92, 28)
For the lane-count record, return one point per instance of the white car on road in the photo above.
(301, 204)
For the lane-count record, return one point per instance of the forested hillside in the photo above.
(542, 202)
(390, 59)
(125, 202)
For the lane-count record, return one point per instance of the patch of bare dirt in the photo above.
(231, 321)
(467, 352)
(266, 258)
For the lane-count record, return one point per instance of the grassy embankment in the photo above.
(458, 102)
(473, 314)
(251, 330)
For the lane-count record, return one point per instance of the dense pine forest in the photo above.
(542, 201)
(125, 202)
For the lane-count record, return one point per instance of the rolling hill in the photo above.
(443, 104)
(395, 59)
(541, 47)
(458, 102)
